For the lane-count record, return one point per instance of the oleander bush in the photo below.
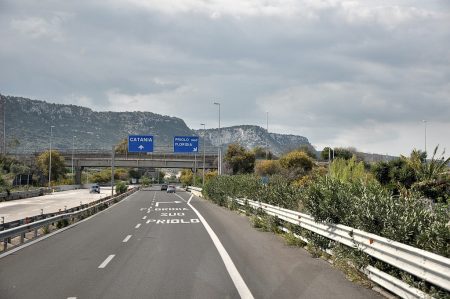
(121, 187)
(362, 204)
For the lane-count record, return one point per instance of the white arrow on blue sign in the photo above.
(140, 143)
(185, 144)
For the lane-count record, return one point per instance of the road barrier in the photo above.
(428, 266)
(20, 228)
(4, 196)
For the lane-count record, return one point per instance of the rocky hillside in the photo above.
(253, 136)
(28, 122)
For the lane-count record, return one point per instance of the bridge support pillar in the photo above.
(78, 171)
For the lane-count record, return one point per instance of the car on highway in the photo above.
(164, 187)
(95, 189)
(171, 189)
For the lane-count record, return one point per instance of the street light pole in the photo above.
(50, 159)
(219, 163)
(73, 148)
(4, 127)
(425, 123)
(267, 138)
(203, 143)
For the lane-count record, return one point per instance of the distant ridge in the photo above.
(29, 121)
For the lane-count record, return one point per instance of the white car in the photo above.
(171, 189)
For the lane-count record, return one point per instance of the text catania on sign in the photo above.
(141, 139)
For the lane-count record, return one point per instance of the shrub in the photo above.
(369, 207)
(145, 181)
(267, 167)
(121, 187)
(296, 160)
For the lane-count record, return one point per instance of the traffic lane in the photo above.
(167, 258)
(59, 266)
(269, 267)
(66, 264)
(50, 203)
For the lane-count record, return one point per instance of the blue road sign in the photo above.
(185, 144)
(140, 143)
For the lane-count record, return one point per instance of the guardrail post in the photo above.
(5, 241)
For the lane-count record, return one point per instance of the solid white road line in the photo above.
(105, 262)
(236, 277)
(145, 217)
(137, 225)
(190, 198)
(126, 239)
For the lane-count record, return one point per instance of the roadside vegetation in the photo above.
(405, 199)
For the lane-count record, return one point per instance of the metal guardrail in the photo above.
(34, 223)
(428, 266)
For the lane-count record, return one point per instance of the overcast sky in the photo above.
(341, 73)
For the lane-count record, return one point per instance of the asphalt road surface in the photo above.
(50, 203)
(157, 245)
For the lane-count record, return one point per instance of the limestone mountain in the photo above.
(28, 125)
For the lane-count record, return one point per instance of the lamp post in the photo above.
(4, 126)
(219, 163)
(73, 148)
(267, 138)
(203, 143)
(50, 159)
(425, 123)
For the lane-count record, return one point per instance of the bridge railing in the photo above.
(428, 266)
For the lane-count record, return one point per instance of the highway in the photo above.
(49, 203)
(159, 245)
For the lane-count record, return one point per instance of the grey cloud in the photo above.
(107, 54)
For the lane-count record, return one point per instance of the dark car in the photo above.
(95, 189)
(163, 187)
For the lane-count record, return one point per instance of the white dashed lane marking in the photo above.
(126, 239)
(137, 225)
(106, 262)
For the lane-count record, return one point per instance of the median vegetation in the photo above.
(406, 200)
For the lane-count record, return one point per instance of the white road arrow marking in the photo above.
(158, 202)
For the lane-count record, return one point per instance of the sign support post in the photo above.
(112, 169)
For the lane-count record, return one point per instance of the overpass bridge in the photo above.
(161, 159)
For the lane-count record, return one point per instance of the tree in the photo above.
(326, 153)
(186, 177)
(58, 167)
(427, 170)
(18, 168)
(296, 160)
(338, 152)
(239, 160)
(145, 181)
(344, 153)
(262, 153)
(267, 167)
(309, 150)
(122, 146)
